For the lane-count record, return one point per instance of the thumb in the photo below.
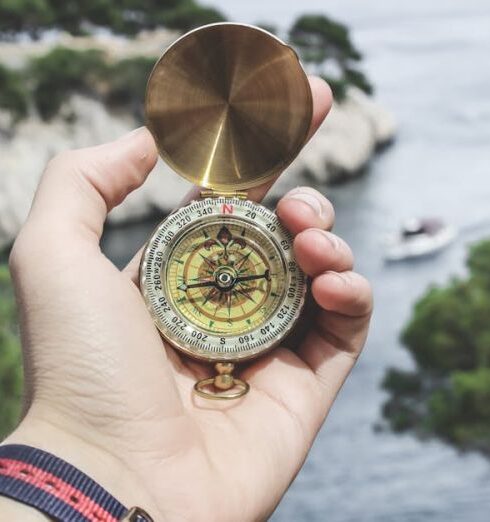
(79, 187)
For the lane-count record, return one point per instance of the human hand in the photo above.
(105, 393)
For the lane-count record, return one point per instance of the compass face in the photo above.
(220, 279)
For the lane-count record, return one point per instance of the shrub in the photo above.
(449, 338)
(439, 334)
(127, 84)
(126, 17)
(60, 73)
(25, 15)
(323, 42)
(13, 96)
(10, 357)
(189, 16)
(54, 77)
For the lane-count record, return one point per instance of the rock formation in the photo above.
(341, 148)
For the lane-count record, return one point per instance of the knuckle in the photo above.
(19, 252)
(64, 159)
(339, 246)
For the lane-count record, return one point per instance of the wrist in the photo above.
(103, 466)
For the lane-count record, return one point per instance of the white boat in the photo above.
(418, 238)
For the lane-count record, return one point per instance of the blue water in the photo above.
(430, 63)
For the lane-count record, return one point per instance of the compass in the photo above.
(229, 106)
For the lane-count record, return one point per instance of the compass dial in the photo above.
(220, 281)
(225, 278)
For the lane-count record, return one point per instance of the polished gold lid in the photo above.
(229, 106)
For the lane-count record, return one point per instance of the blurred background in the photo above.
(404, 156)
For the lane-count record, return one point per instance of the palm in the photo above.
(265, 435)
(150, 406)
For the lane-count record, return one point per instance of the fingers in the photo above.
(345, 293)
(79, 187)
(326, 356)
(340, 328)
(318, 251)
(299, 209)
(303, 208)
(343, 309)
(322, 102)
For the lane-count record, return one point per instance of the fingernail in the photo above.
(333, 240)
(132, 134)
(309, 198)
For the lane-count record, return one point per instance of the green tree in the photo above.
(324, 43)
(13, 95)
(479, 264)
(439, 335)
(126, 82)
(126, 17)
(49, 80)
(10, 358)
(25, 15)
(448, 336)
(189, 16)
(61, 72)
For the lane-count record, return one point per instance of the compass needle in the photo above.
(208, 261)
(242, 260)
(244, 293)
(210, 294)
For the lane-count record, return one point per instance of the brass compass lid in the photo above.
(229, 106)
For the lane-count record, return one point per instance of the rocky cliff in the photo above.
(342, 147)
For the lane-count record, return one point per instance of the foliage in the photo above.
(449, 339)
(324, 43)
(126, 17)
(48, 81)
(322, 37)
(338, 86)
(359, 79)
(60, 73)
(13, 96)
(24, 15)
(126, 84)
(189, 15)
(266, 26)
(461, 413)
(10, 358)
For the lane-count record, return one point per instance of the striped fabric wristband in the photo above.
(58, 489)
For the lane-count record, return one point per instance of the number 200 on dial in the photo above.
(220, 279)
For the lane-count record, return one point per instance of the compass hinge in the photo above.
(239, 194)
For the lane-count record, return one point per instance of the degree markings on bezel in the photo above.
(160, 247)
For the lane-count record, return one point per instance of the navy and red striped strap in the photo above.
(56, 488)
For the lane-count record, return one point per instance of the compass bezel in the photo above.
(178, 330)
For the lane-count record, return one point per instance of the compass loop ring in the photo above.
(203, 389)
